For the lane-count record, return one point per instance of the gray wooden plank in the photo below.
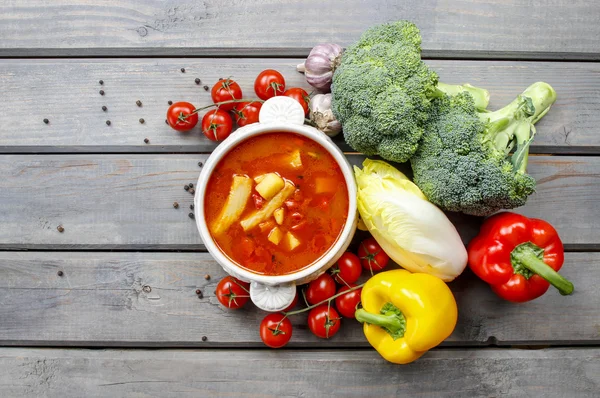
(348, 373)
(125, 202)
(149, 300)
(67, 93)
(79, 28)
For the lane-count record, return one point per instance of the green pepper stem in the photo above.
(391, 322)
(525, 254)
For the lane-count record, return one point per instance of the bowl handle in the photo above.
(281, 109)
(272, 298)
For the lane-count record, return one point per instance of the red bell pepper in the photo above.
(518, 257)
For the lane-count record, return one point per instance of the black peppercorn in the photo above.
(101, 82)
(204, 338)
(46, 121)
(142, 120)
(197, 81)
(200, 295)
(170, 102)
(146, 140)
(200, 164)
(192, 191)
(207, 277)
(60, 273)
(186, 187)
(182, 70)
(138, 103)
(191, 207)
(101, 92)
(206, 88)
(198, 291)
(60, 228)
(104, 108)
(108, 122)
(191, 184)
(176, 205)
(191, 215)
(166, 121)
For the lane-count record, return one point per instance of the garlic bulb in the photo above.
(320, 65)
(322, 115)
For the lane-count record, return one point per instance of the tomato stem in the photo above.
(328, 301)
(218, 104)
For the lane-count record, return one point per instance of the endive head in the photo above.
(411, 230)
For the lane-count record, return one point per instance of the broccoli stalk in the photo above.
(480, 95)
(464, 161)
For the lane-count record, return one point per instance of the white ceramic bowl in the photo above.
(274, 293)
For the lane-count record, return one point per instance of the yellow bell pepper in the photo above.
(406, 314)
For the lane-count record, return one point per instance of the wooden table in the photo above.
(108, 306)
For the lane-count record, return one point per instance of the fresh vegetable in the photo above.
(226, 90)
(299, 95)
(320, 289)
(405, 314)
(275, 330)
(519, 257)
(347, 269)
(412, 231)
(381, 91)
(247, 112)
(181, 116)
(322, 61)
(347, 304)
(372, 257)
(321, 115)
(464, 161)
(269, 83)
(240, 190)
(217, 125)
(232, 292)
(324, 321)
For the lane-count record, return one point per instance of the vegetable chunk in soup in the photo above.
(276, 203)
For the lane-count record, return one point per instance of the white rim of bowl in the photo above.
(229, 144)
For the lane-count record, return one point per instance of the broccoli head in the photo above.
(475, 162)
(381, 91)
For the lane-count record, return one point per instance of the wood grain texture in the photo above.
(126, 201)
(561, 29)
(353, 373)
(66, 92)
(149, 300)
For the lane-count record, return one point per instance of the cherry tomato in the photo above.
(226, 90)
(347, 269)
(269, 83)
(247, 113)
(299, 95)
(320, 289)
(372, 256)
(217, 125)
(275, 330)
(291, 306)
(346, 303)
(232, 292)
(324, 321)
(180, 116)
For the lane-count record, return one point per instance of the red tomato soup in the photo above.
(276, 203)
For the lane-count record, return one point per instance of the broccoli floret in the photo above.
(381, 91)
(464, 161)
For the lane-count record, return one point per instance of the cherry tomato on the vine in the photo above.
(226, 90)
(232, 292)
(320, 289)
(269, 83)
(324, 321)
(275, 330)
(299, 95)
(346, 303)
(347, 269)
(293, 304)
(217, 125)
(180, 116)
(246, 112)
(372, 256)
